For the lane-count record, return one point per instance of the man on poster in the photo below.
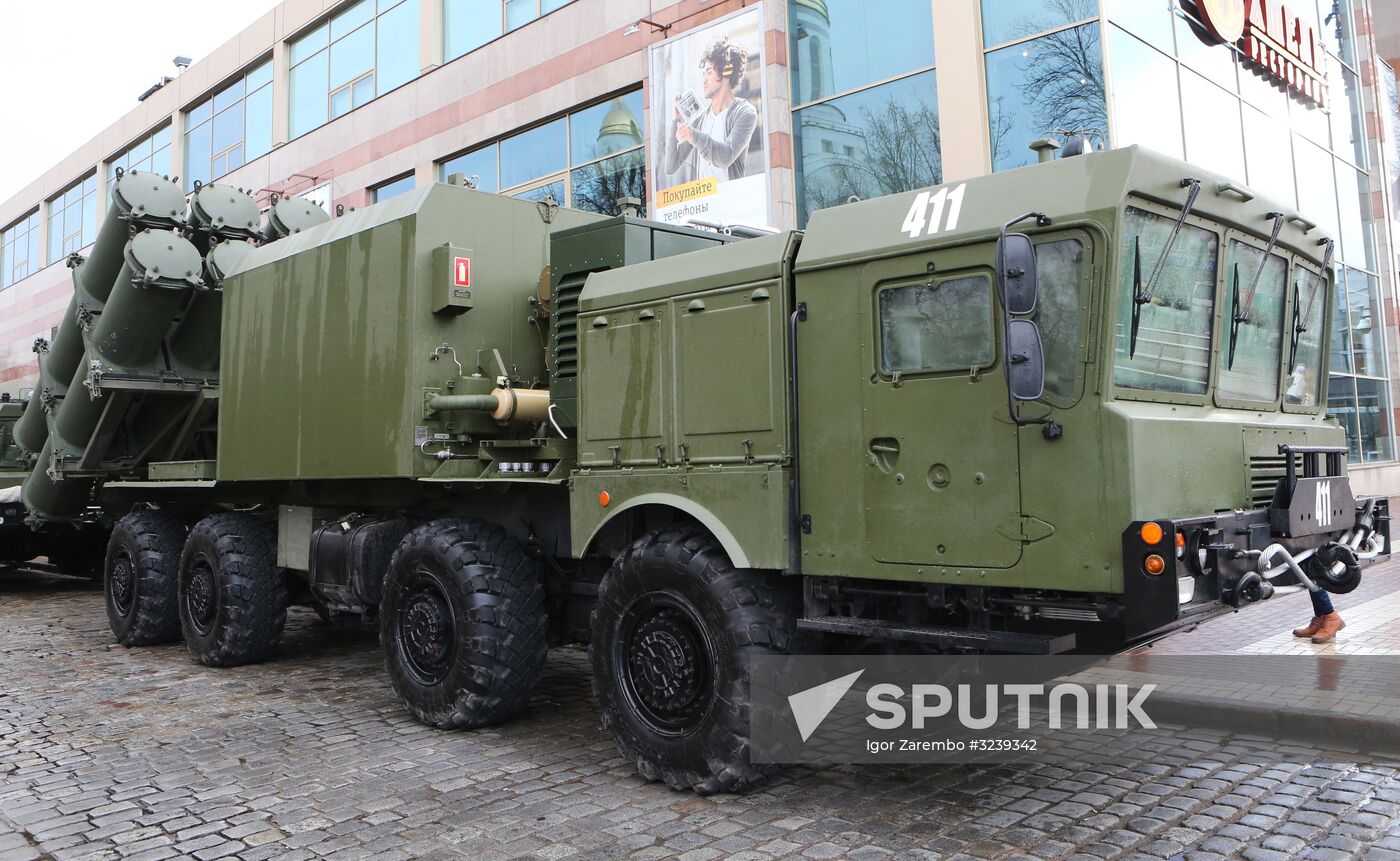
(714, 143)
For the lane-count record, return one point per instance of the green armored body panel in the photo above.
(1062, 408)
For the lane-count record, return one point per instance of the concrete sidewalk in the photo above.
(1246, 672)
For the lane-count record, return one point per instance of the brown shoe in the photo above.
(1331, 624)
(1310, 629)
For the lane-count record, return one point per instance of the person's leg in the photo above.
(1322, 605)
(1329, 623)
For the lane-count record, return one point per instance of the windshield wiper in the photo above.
(1139, 298)
(1143, 294)
(1236, 316)
(1298, 316)
(1240, 315)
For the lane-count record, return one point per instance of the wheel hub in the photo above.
(201, 597)
(122, 583)
(427, 633)
(668, 666)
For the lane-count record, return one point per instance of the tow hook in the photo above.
(1249, 589)
(1325, 568)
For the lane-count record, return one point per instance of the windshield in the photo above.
(1257, 292)
(1305, 366)
(1171, 352)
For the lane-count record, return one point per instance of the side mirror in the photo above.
(1025, 361)
(1016, 279)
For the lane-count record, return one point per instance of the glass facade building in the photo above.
(862, 99)
(368, 49)
(229, 128)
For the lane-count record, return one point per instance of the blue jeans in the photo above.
(1322, 602)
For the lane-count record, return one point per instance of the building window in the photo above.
(865, 121)
(390, 189)
(19, 257)
(1044, 75)
(151, 154)
(1230, 119)
(363, 52)
(232, 127)
(469, 24)
(73, 219)
(587, 159)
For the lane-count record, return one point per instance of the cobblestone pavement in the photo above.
(113, 753)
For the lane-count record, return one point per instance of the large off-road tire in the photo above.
(673, 631)
(463, 624)
(233, 597)
(140, 575)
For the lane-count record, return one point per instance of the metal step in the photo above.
(953, 638)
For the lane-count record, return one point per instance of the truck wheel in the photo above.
(463, 624)
(673, 632)
(140, 576)
(233, 597)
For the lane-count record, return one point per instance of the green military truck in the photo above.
(1063, 408)
(75, 547)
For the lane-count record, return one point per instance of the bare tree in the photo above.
(899, 148)
(598, 186)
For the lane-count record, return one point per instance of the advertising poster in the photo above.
(710, 159)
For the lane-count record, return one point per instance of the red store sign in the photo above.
(1275, 42)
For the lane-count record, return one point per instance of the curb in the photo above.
(1330, 729)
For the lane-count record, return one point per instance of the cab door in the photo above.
(941, 483)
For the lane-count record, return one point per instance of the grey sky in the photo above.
(73, 67)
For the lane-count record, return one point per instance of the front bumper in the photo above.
(1313, 533)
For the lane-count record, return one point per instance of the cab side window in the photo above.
(1060, 271)
(943, 326)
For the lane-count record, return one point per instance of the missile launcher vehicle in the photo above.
(1060, 409)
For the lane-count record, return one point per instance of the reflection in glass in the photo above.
(1137, 69)
(841, 45)
(392, 189)
(469, 24)
(941, 327)
(553, 190)
(1009, 20)
(1354, 198)
(1367, 320)
(1043, 88)
(1374, 420)
(1340, 361)
(1253, 347)
(1172, 352)
(532, 154)
(605, 128)
(1214, 135)
(1305, 337)
(876, 142)
(1341, 402)
(597, 187)
(1059, 268)
(1344, 91)
(1337, 30)
(479, 166)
